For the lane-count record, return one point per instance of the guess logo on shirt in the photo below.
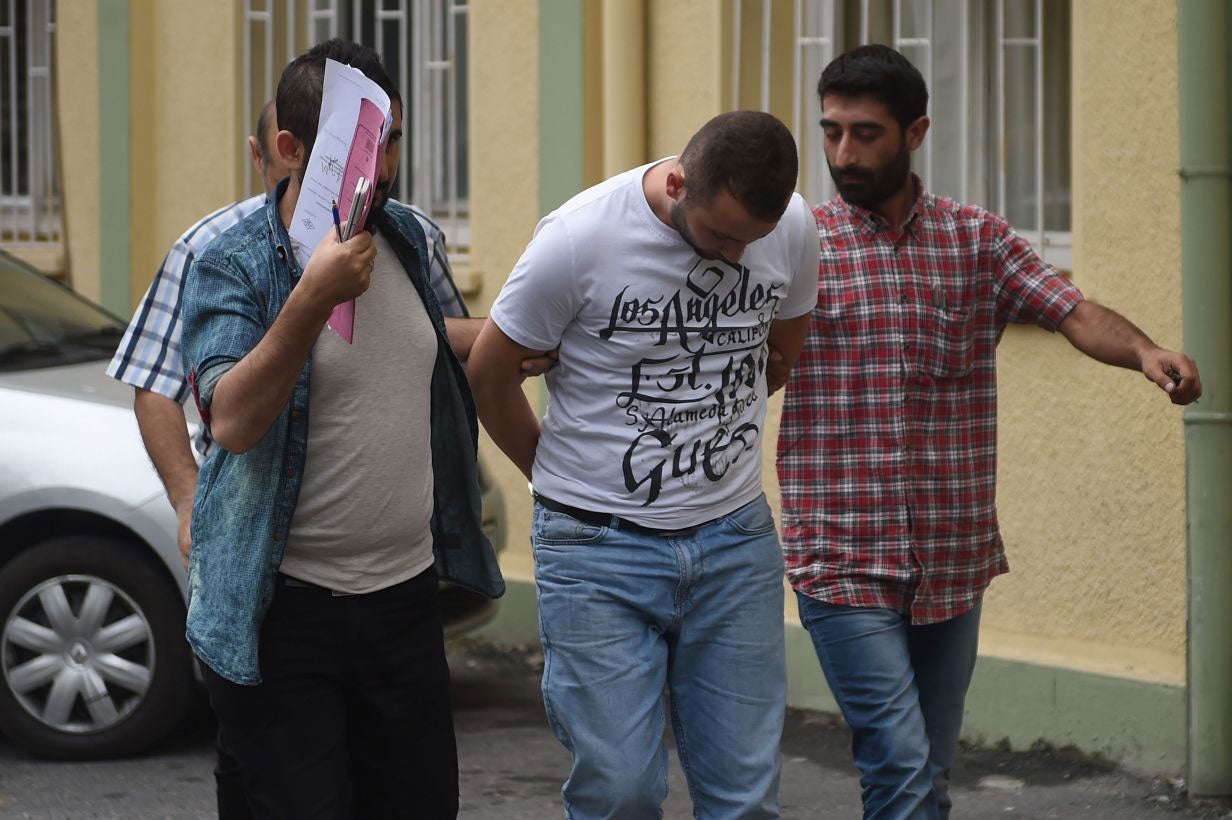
(689, 409)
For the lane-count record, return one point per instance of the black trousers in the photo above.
(352, 717)
(228, 784)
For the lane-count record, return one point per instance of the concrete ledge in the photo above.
(1139, 725)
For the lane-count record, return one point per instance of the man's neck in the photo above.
(286, 205)
(897, 209)
(654, 186)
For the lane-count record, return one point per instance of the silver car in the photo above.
(92, 590)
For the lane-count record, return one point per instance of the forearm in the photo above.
(1106, 336)
(249, 397)
(496, 384)
(509, 421)
(785, 342)
(462, 334)
(165, 434)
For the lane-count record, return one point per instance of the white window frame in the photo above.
(30, 214)
(429, 46)
(817, 27)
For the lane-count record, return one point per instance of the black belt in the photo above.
(288, 581)
(599, 519)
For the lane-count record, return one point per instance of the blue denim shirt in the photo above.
(245, 501)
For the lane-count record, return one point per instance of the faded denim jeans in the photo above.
(625, 615)
(901, 688)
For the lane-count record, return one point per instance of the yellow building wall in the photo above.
(504, 133)
(77, 107)
(1092, 459)
(182, 120)
(185, 66)
(684, 84)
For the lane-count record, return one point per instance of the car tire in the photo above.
(96, 621)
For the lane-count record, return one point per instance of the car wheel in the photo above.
(92, 649)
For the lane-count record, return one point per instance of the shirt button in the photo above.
(290, 472)
(265, 600)
(277, 535)
(295, 415)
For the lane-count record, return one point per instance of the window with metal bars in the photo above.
(423, 44)
(30, 214)
(999, 81)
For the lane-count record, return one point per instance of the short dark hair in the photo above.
(300, 88)
(262, 131)
(749, 154)
(879, 72)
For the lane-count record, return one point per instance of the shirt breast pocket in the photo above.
(948, 349)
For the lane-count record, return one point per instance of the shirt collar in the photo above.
(278, 231)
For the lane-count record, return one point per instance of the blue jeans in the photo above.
(625, 614)
(901, 688)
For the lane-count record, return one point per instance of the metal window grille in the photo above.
(30, 204)
(997, 137)
(423, 44)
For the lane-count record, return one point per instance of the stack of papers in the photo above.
(344, 167)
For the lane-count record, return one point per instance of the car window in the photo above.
(44, 323)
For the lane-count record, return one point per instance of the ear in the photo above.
(290, 150)
(675, 183)
(916, 133)
(254, 155)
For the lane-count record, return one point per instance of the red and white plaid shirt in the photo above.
(887, 454)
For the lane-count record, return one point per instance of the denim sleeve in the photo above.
(222, 322)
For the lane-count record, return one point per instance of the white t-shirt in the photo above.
(657, 407)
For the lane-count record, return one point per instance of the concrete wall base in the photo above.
(1137, 724)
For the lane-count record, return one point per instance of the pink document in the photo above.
(363, 162)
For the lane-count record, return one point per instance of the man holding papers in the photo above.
(345, 484)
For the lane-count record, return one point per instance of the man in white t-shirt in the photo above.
(656, 558)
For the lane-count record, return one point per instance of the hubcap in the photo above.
(77, 653)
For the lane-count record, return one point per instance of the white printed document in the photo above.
(354, 124)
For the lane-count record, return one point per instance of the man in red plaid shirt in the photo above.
(887, 451)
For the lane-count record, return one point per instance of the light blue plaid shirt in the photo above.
(149, 354)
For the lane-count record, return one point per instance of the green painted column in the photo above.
(561, 109)
(1206, 254)
(115, 147)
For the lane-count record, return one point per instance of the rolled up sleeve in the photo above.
(223, 321)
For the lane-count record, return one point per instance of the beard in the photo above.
(681, 224)
(380, 194)
(869, 187)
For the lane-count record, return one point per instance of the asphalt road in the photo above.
(512, 769)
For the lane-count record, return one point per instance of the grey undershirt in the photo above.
(363, 519)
